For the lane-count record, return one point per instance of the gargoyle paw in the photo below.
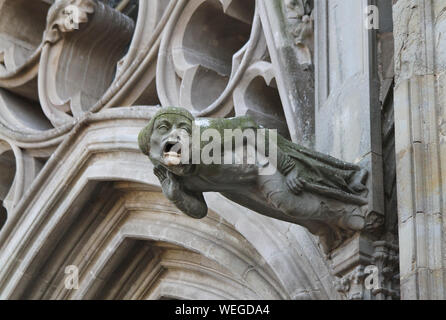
(295, 184)
(160, 173)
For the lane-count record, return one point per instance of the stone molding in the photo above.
(419, 114)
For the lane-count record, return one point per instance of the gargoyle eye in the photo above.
(163, 127)
(187, 129)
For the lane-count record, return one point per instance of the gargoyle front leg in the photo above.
(169, 186)
(189, 202)
(287, 167)
(294, 182)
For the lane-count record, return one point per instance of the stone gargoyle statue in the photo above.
(319, 192)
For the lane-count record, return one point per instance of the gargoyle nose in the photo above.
(174, 137)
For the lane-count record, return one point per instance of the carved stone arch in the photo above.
(135, 81)
(194, 253)
(212, 239)
(21, 38)
(18, 168)
(189, 62)
(257, 96)
(12, 179)
(105, 149)
(150, 15)
(165, 270)
(139, 247)
(10, 188)
(221, 54)
(21, 115)
(84, 40)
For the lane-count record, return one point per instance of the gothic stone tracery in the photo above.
(79, 79)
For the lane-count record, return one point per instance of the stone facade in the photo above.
(82, 215)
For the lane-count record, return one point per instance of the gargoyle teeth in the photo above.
(172, 158)
(172, 153)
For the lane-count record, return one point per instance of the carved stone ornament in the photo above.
(300, 21)
(375, 279)
(66, 16)
(319, 192)
(69, 87)
(20, 48)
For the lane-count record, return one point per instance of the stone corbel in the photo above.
(84, 41)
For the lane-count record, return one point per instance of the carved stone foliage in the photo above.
(385, 258)
(351, 285)
(376, 276)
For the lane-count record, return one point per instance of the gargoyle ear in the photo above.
(144, 139)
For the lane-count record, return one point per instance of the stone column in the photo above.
(348, 118)
(420, 134)
(348, 126)
(291, 52)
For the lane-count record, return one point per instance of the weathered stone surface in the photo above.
(420, 155)
(305, 187)
(77, 82)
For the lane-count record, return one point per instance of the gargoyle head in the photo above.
(167, 139)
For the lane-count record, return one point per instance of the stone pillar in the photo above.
(348, 126)
(348, 118)
(291, 52)
(420, 134)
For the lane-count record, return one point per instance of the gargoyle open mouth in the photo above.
(172, 153)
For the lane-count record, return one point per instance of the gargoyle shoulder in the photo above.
(242, 122)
